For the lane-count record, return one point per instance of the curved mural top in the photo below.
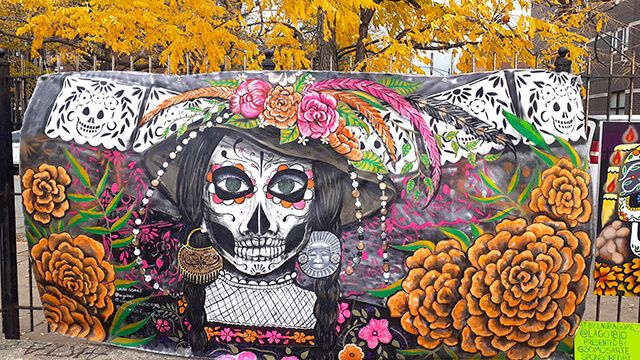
(310, 215)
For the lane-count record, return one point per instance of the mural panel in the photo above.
(302, 215)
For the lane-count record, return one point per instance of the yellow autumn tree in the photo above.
(364, 35)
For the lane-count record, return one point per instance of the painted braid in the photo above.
(399, 104)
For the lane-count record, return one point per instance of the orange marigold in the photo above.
(631, 276)
(607, 279)
(76, 266)
(351, 352)
(44, 192)
(66, 316)
(281, 107)
(563, 194)
(430, 292)
(521, 292)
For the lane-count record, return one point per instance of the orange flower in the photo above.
(44, 192)
(249, 336)
(300, 337)
(281, 106)
(632, 276)
(344, 142)
(430, 292)
(351, 352)
(66, 316)
(78, 268)
(563, 194)
(210, 332)
(523, 287)
(607, 279)
(182, 305)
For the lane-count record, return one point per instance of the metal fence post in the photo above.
(8, 258)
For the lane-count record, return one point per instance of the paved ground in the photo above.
(37, 343)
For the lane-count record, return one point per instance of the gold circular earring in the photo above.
(199, 265)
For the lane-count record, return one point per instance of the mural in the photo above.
(302, 215)
(617, 267)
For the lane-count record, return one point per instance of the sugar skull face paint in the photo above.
(256, 205)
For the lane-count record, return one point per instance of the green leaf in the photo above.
(232, 83)
(514, 180)
(424, 159)
(301, 82)
(133, 327)
(242, 122)
(395, 343)
(113, 203)
(124, 284)
(181, 130)
(33, 227)
(438, 140)
(526, 129)
(428, 182)
(487, 200)
(206, 117)
(356, 313)
(406, 148)
(166, 132)
(96, 230)
(123, 312)
(371, 163)
(415, 246)
(455, 147)
(386, 291)
(131, 342)
(549, 159)
(416, 196)
(476, 231)
(414, 351)
(436, 357)
(80, 171)
(60, 225)
(476, 357)
(350, 118)
(472, 145)
(457, 235)
(406, 168)
(31, 238)
(500, 356)
(565, 348)
(493, 157)
(89, 214)
(234, 349)
(489, 183)
(500, 215)
(304, 355)
(472, 159)
(194, 108)
(123, 220)
(124, 268)
(575, 158)
(450, 353)
(370, 99)
(411, 184)
(404, 88)
(81, 197)
(450, 135)
(288, 135)
(120, 243)
(525, 194)
(103, 181)
(76, 219)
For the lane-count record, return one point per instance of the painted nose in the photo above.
(259, 224)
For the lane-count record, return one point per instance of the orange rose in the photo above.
(281, 107)
(78, 268)
(430, 292)
(563, 194)
(523, 287)
(44, 192)
(344, 142)
(66, 316)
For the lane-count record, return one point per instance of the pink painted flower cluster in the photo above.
(315, 113)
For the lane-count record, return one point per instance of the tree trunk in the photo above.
(327, 54)
(363, 31)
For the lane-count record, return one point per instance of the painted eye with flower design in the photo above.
(229, 183)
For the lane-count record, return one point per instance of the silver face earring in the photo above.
(322, 255)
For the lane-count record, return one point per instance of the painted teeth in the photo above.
(259, 249)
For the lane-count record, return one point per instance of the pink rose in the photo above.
(317, 115)
(249, 98)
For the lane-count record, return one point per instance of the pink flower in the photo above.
(249, 98)
(245, 355)
(226, 334)
(273, 337)
(290, 358)
(162, 325)
(317, 115)
(376, 331)
(343, 313)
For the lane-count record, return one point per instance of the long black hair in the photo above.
(324, 215)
